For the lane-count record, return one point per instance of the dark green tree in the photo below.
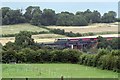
(9, 56)
(24, 38)
(12, 16)
(109, 17)
(79, 20)
(4, 17)
(88, 15)
(36, 16)
(64, 19)
(33, 14)
(96, 16)
(48, 17)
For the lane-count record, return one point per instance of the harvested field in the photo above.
(95, 28)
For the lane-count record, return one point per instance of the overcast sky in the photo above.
(66, 6)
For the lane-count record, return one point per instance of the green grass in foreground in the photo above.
(12, 29)
(54, 71)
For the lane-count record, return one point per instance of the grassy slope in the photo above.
(12, 29)
(54, 71)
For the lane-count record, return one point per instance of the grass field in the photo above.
(12, 29)
(54, 71)
(95, 28)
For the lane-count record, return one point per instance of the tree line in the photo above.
(104, 59)
(70, 34)
(34, 15)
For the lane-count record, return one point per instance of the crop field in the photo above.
(12, 29)
(54, 71)
(95, 28)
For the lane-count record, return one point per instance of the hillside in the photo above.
(12, 29)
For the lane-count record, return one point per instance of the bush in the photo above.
(9, 56)
(71, 55)
(62, 32)
(57, 56)
(43, 56)
(104, 59)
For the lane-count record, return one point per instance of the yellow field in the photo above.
(95, 28)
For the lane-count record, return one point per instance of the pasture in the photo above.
(54, 71)
(12, 29)
(94, 28)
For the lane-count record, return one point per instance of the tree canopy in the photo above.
(34, 15)
(24, 38)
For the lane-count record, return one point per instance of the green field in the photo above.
(12, 29)
(54, 71)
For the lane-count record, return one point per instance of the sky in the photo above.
(73, 7)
